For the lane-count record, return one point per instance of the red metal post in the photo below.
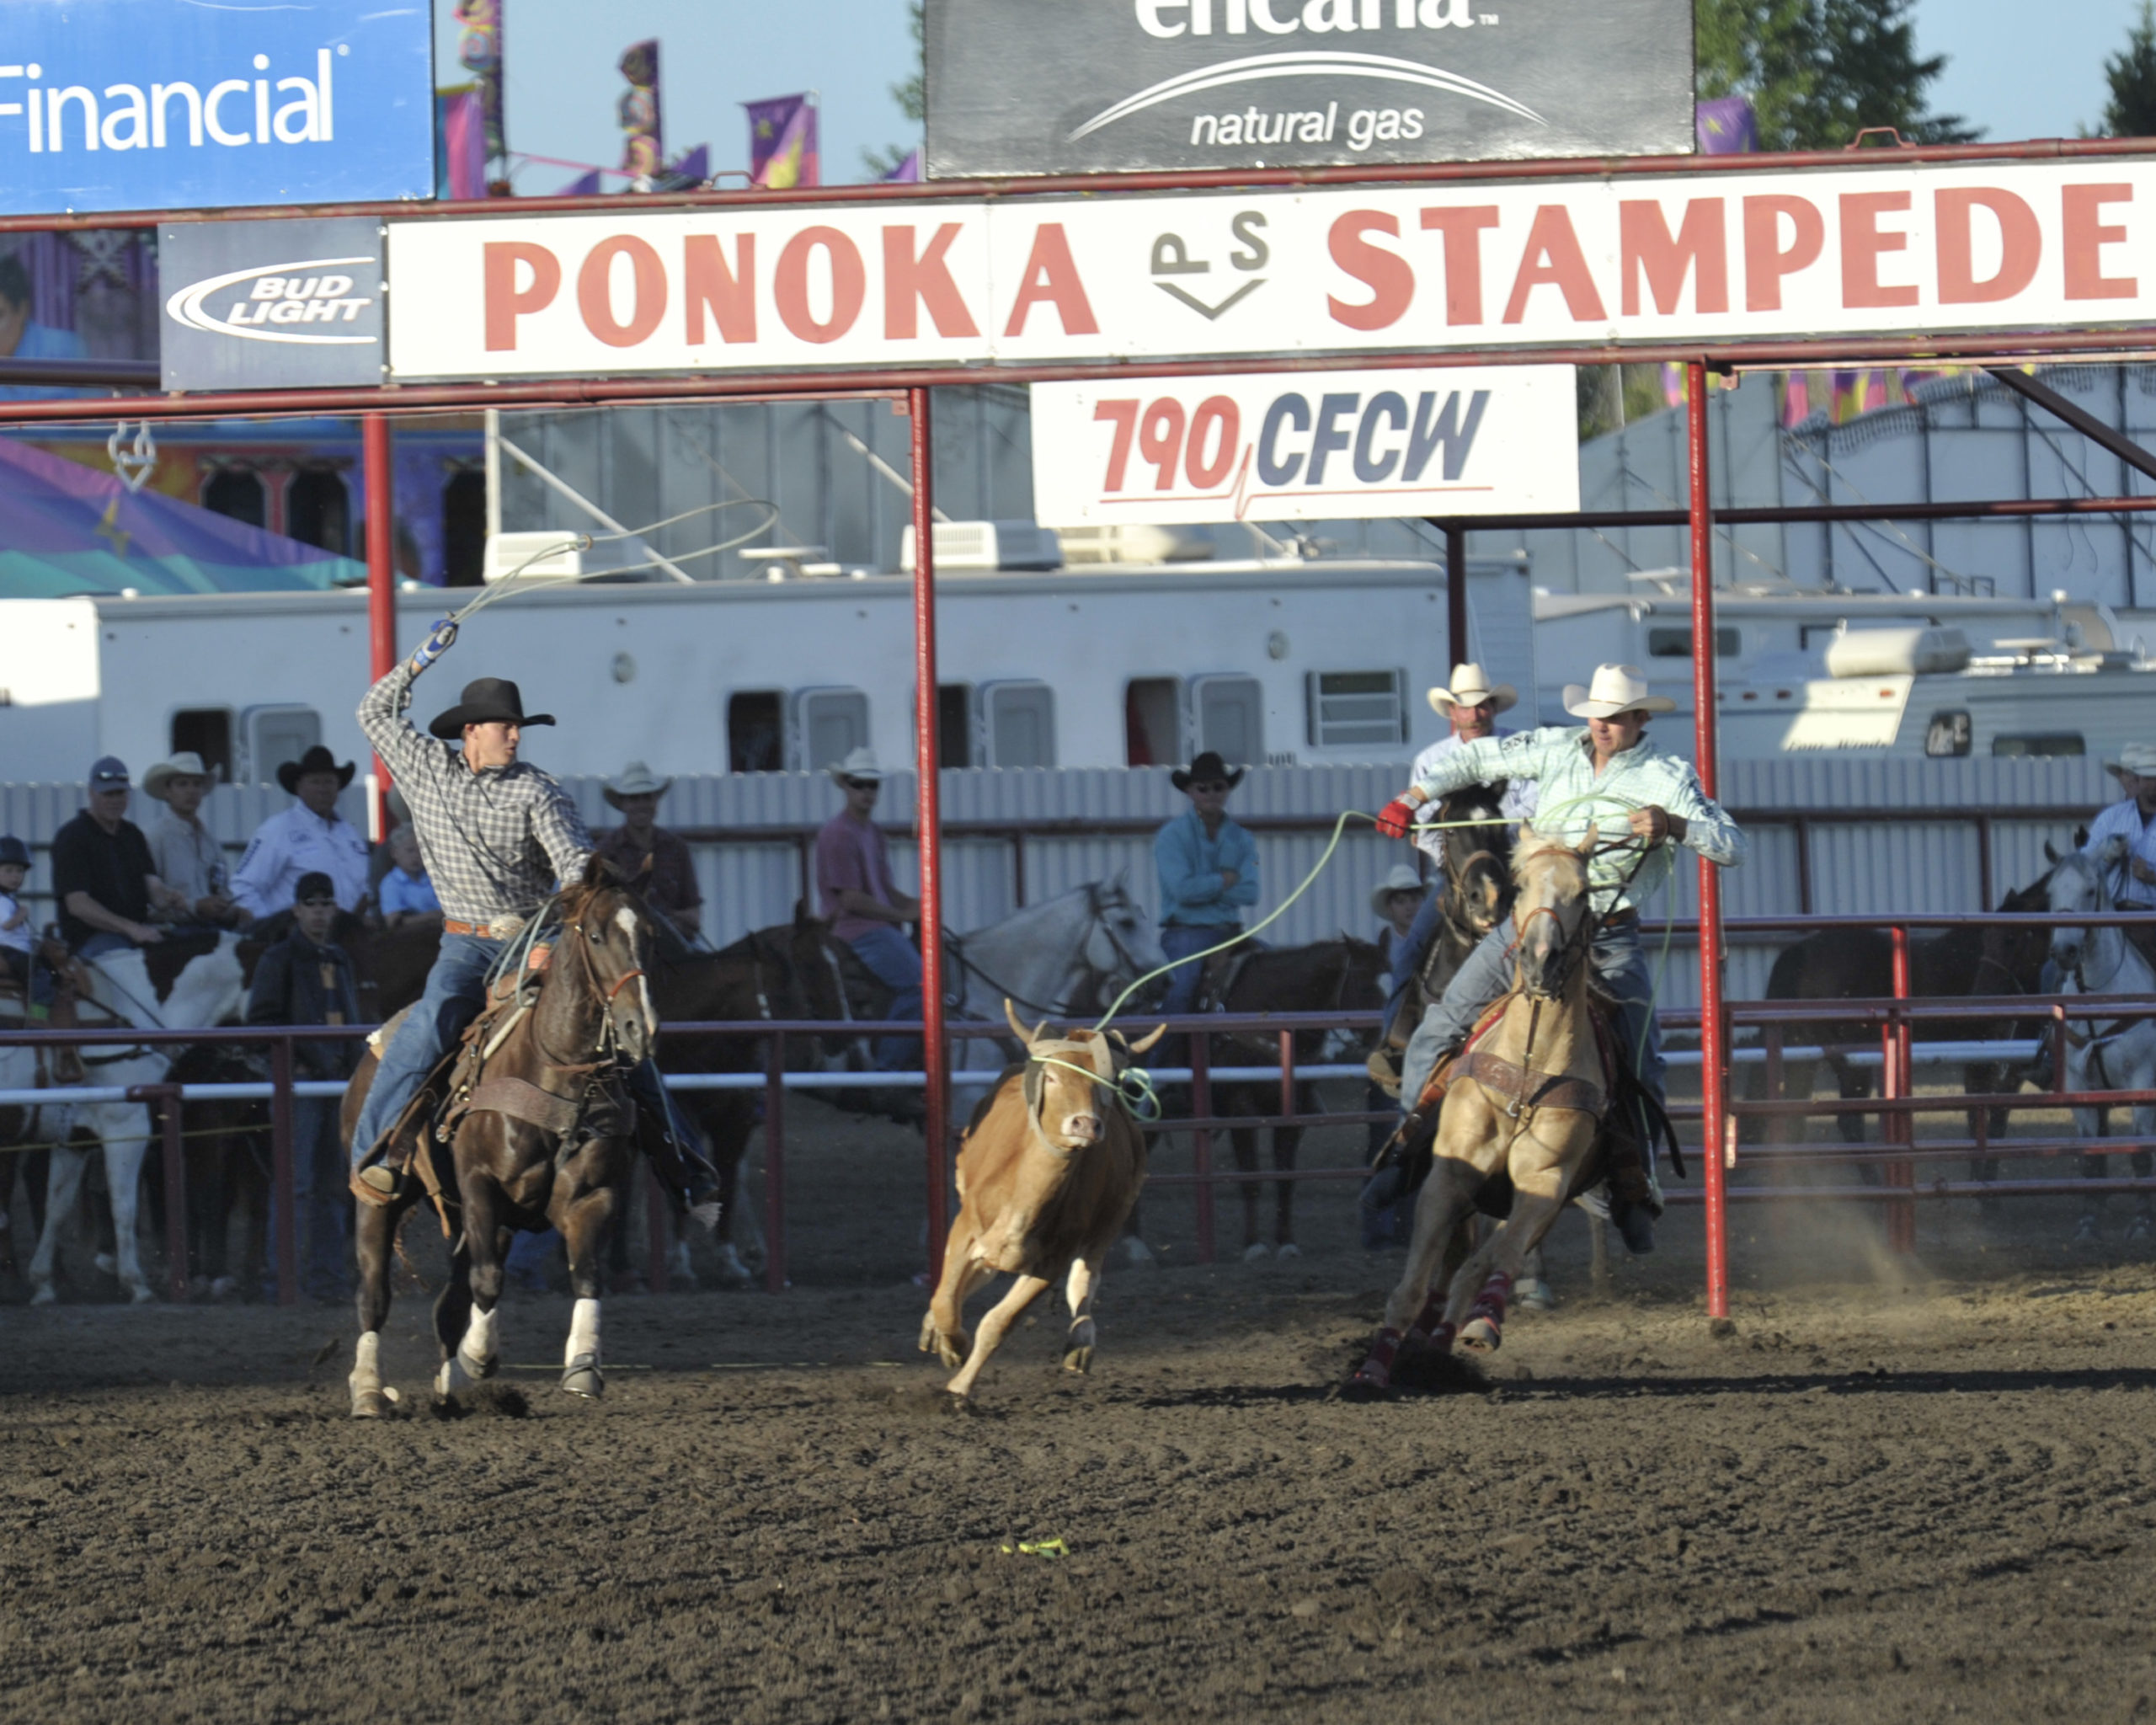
(1456, 593)
(175, 1191)
(1713, 1024)
(775, 1164)
(1901, 1212)
(287, 1242)
(929, 823)
(382, 595)
(1201, 1141)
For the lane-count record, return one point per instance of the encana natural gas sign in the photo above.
(1094, 86)
(153, 105)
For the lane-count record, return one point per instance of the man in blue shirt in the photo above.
(2134, 882)
(1208, 872)
(22, 337)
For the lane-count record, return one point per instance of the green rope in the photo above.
(1133, 1087)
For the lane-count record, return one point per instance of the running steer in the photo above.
(1051, 1164)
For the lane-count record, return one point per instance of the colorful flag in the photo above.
(643, 142)
(1725, 127)
(459, 144)
(479, 52)
(907, 172)
(782, 142)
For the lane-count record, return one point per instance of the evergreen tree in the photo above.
(2132, 74)
(1818, 72)
(910, 94)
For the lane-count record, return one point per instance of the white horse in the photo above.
(206, 992)
(2117, 1054)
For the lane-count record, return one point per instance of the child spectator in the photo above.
(17, 938)
(406, 895)
(306, 979)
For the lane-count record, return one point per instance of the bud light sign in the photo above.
(1333, 446)
(156, 104)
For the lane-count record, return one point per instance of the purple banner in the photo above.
(1726, 126)
(782, 142)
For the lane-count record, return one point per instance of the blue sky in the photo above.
(2020, 68)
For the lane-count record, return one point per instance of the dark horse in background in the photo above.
(1859, 964)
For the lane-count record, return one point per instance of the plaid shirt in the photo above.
(496, 841)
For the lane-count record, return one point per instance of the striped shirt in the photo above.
(495, 842)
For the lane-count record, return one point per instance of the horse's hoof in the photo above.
(44, 1295)
(732, 1271)
(140, 1293)
(1371, 1381)
(105, 1265)
(369, 1404)
(1288, 1249)
(2137, 1229)
(1136, 1253)
(583, 1377)
(1077, 1355)
(1536, 1295)
(455, 1379)
(224, 1288)
(2085, 1232)
(1255, 1250)
(1481, 1336)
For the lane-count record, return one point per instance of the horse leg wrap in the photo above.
(1429, 1330)
(580, 1373)
(1490, 1302)
(1376, 1370)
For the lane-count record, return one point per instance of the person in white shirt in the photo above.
(308, 837)
(190, 859)
(2134, 882)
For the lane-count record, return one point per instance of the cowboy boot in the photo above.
(68, 1068)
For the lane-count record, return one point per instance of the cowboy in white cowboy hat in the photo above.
(863, 903)
(1394, 901)
(1207, 867)
(657, 861)
(1587, 779)
(2133, 885)
(309, 837)
(189, 860)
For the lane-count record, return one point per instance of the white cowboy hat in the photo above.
(1402, 880)
(860, 764)
(184, 765)
(1616, 688)
(637, 780)
(1471, 688)
(2138, 759)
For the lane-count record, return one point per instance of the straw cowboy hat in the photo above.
(487, 701)
(1402, 880)
(1471, 688)
(860, 764)
(1208, 769)
(637, 780)
(1616, 688)
(187, 764)
(2138, 759)
(317, 759)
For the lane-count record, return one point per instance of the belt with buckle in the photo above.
(501, 928)
(1625, 918)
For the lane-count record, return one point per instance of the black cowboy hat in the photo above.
(1205, 770)
(487, 701)
(317, 759)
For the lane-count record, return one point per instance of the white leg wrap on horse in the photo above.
(584, 1332)
(366, 1359)
(479, 1342)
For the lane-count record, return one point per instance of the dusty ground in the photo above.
(1895, 1489)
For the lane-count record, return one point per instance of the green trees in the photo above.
(2131, 72)
(1818, 72)
(910, 92)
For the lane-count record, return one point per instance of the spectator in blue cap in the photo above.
(103, 875)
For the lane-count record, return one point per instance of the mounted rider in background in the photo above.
(1586, 779)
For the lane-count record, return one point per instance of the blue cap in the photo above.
(13, 850)
(109, 771)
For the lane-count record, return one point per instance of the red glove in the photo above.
(1395, 819)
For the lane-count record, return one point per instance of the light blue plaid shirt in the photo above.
(1572, 797)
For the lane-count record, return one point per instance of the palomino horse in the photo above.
(541, 1134)
(1526, 1105)
(206, 990)
(2118, 1054)
(1330, 976)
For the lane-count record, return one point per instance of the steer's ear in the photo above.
(1103, 1057)
(1147, 1040)
(1586, 846)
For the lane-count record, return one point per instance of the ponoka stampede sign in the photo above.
(1696, 258)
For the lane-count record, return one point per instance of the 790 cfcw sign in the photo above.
(1330, 445)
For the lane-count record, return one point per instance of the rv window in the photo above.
(238, 492)
(274, 735)
(2032, 744)
(318, 510)
(1352, 708)
(1949, 735)
(829, 724)
(1152, 722)
(755, 732)
(1018, 724)
(464, 528)
(955, 724)
(207, 731)
(1230, 719)
(1677, 643)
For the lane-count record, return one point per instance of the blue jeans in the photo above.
(457, 988)
(1620, 970)
(892, 960)
(102, 942)
(1411, 950)
(318, 1201)
(1180, 940)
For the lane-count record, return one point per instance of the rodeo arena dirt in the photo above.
(1861, 1440)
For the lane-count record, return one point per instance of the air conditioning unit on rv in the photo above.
(1139, 543)
(535, 556)
(989, 545)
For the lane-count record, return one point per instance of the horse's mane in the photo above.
(1533, 846)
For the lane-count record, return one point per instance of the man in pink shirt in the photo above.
(865, 910)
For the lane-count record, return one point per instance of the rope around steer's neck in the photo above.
(1133, 1087)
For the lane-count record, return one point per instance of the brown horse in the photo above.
(540, 1133)
(1330, 976)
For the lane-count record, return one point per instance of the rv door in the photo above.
(273, 735)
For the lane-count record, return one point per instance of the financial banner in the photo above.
(271, 305)
(162, 105)
(1102, 86)
(1306, 446)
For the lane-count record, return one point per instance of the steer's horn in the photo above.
(1147, 1040)
(1027, 1037)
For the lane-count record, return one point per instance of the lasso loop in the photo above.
(1132, 1085)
